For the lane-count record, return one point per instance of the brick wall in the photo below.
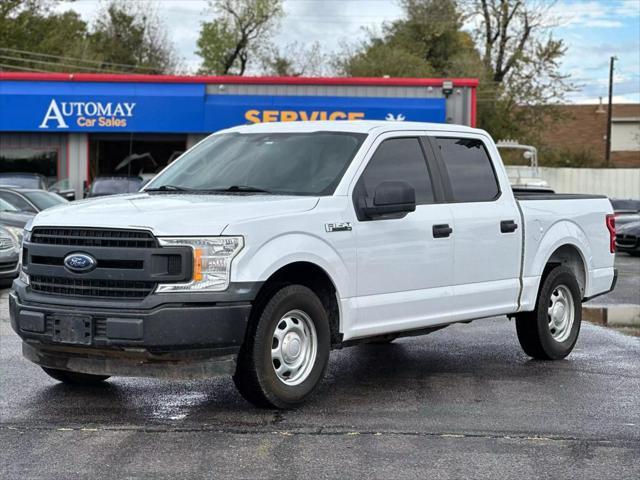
(584, 127)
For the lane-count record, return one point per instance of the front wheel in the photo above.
(286, 350)
(74, 378)
(550, 332)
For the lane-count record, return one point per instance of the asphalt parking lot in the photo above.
(464, 402)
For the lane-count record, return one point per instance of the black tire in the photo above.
(534, 331)
(255, 375)
(74, 378)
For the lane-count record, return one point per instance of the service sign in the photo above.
(60, 107)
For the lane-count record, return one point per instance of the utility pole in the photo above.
(607, 153)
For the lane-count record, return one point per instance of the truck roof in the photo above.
(357, 126)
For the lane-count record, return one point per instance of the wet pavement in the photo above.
(619, 309)
(464, 402)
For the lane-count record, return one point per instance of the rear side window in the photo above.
(469, 169)
(402, 160)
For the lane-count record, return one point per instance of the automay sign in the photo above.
(183, 108)
(88, 114)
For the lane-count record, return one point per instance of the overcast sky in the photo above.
(593, 30)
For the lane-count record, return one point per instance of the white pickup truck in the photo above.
(265, 246)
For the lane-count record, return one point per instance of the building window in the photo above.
(30, 160)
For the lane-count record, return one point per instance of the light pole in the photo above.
(607, 153)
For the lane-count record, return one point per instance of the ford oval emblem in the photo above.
(80, 262)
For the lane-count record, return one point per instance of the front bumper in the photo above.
(9, 267)
(185, 339)
(627, 244)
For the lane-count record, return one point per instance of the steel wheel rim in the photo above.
(294, 347)
(560, 313)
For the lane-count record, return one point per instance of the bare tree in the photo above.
(295, 60)
(241, 27)
(518, 47)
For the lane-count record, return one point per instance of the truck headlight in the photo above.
(212, 258)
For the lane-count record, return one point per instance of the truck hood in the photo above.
(174, 214)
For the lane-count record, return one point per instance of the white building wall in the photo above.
(625, 136)
(612, 182)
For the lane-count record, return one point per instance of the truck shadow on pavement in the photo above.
(407, 375)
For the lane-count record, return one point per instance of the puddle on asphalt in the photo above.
(625, 318)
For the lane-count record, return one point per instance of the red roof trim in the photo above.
(139, 78)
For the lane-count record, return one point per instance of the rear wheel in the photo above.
(74, 378)
(550, 332)
(286, 350)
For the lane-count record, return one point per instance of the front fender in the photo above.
(259, 263)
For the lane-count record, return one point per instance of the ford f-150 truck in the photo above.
(265, 246)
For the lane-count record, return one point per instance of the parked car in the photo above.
(628, 238)
(29, 200)
(114, 185)
(13, 219)
(23, 180)
(64, 189)
(9, 253)
(35, 181)
(265, 246)
(626, 210)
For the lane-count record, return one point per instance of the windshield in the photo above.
(6, 206)
(44, 200)
(280, 163)
(23, 181)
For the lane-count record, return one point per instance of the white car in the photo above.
(265, 246)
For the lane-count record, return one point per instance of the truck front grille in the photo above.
(91, 288)
(93, 237)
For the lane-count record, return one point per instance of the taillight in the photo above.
(611, 226)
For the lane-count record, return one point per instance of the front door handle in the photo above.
(508, 226)
(441, 231)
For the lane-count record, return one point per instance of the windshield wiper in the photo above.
(167, 188)
(241, 188)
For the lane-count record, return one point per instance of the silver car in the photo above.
(9, 255)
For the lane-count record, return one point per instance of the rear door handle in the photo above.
(442, 230)
(508, 226)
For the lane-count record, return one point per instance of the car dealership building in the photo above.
(79, 126)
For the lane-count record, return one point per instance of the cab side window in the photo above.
(402, 160)
(469, 169)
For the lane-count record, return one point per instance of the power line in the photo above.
(82, 60)
(58, 64)
(24, 69)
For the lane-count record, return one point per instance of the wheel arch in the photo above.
(570, 256)
(312, 276)
(564, 243)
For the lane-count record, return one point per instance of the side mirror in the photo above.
(391, 198)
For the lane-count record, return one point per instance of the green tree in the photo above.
(131, 38)
(510, 49)
(34, 38)
(240, 29)
(428, 41)
(522, 80)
